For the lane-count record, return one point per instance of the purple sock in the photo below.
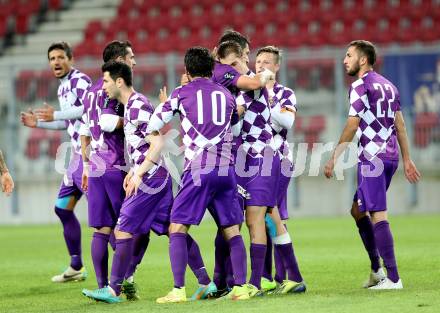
(367, 234)
(238, 259)
(121, 261)
(99, 249)
(289, 261)
(195, 261)
(140, 245)
(179, 258)
(385, 245)
(258, 253)
(230, 281)
(221, 255)
(280, 270)
(72, 236)
(267, 269)
(112, 240)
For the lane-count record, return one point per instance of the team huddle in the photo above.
(237, 165)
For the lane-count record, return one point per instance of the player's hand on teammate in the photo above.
(28, 118)
(163, 94)
(133, 185)
(45, 113)
(127, 179)
(329, 167)
(411, 172)
(7, 183)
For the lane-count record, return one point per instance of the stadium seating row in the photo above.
(162, 26)
(17, 16)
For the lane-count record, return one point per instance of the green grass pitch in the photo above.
(329, 251)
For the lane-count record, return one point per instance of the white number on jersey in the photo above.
(390, 100)
(217, 119)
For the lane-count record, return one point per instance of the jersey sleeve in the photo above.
(164, 112)
(358, 99)
(227, 76)
(80, 87)
(288, 100)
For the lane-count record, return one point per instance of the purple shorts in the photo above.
(262, 182)
(106, 194)
(71, 184)
(149, 209)
(371, 194)
(283, 185)
(216, 191)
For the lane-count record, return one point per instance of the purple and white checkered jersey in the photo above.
(205, 109)
(284, 98)
(375, 100)
(256, 130)
(72, 92)
(107, 148)
(137, 116)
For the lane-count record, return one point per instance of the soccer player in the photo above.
(208, 180)
(71, 94)
(5, 178)
(232, 72)
(104, 174)
(282, 102)
(375, 117)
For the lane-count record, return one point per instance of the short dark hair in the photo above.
(115, 49)
(366, 48)
(271, 49)
(119, 69)
(232, 35)
(199, 62)
(62, 45)
(228, 47)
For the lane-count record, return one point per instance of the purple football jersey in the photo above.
(136, 119)
(226, 76)
(72, 92)
(205, 109)
(107, 148)
(375, 100)
(256, 130)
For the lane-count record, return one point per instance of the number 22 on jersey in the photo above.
(384, 99)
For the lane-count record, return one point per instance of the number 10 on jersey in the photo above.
(218, 116)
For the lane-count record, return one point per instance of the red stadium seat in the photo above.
(55, 4)
(54, 143)
(33, 143)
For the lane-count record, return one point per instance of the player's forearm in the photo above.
(3, 167)
(56, 125)
(346, 137)
(85, 142)
(249, 83)
(402, 136)
(153, 154)
(69, 114)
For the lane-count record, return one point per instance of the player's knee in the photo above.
(64, 203)
(355, 211)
